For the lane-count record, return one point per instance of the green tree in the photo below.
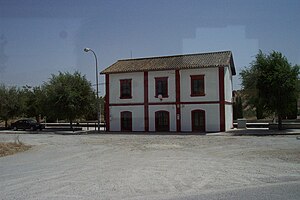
(238, 108)
(275, 83)
(250, 92)
(69, 96)
(35, 101)
(10, 103)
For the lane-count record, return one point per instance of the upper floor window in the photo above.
(125, 89)
(197, 85)
(161, 86)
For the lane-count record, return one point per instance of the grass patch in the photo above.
(9, 148)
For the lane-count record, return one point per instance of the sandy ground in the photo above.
(144, 166)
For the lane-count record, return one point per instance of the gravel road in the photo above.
(144, 166)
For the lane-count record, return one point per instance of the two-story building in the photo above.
(182, 93)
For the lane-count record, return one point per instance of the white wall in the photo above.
(170, 108)
(228, 98)
(137, 117)
(137, 86)
(211, 82)
(211, 94)
(228, 117)
(212, 116)
(171, 85)
(228, 84)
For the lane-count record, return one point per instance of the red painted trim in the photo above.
(194, 78)
(130, 121)
(126, 104)
(222, 98)
(125, 81)
(202, 112)
(157, 128)
(201, 102)
(146, 100)
(161, 79)
(164, 103)
(107, 104)
(178, 110)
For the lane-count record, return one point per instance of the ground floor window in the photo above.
(198, 120)
(126, 121)
(162, 119)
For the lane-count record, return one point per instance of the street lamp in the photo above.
(97, 90)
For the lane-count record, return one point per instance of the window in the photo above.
(125, 89)
(197, 85)
(126, 121)
(162, 119)
(161, 86)
(198, 120)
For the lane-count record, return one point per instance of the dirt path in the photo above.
(143, 166)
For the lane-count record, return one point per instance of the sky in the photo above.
(40, 38)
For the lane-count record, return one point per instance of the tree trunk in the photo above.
(6, 123)
(279, 122)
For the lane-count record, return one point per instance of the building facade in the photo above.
(183, 93)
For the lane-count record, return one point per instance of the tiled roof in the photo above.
(188, 61)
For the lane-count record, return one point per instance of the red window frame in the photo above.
(122, 83)
(126, 127)
(166, 93)
(201, 92)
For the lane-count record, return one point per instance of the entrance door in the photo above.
(162, 121)
(126, 121)
(198, 120)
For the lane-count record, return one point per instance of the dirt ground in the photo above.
(144, 166)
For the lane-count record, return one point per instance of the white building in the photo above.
(182, 93)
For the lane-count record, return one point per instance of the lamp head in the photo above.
(160, 97)
(87, 49)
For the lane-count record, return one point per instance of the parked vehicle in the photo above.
(24, 124)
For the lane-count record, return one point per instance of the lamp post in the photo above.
(97, 90)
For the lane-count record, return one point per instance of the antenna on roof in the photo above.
(130, 53)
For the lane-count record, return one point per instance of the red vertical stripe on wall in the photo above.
(146, 102)
(107, 102)
(178, 113)
(222, 98)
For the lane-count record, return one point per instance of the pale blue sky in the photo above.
(40, 38)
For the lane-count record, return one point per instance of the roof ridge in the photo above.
(178, 55)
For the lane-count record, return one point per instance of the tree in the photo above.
(275, 83)
(10, 103)
(238, 108)
(35, 101)
(69, 96)
(250, 92)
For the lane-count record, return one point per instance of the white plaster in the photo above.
(170, 108)
(137, 87)
(212, 116)
(228, 84)
(171, 85)
(137, 117)
(228, 117)
(211, 83)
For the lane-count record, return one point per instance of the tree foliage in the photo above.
(69, 96)
(35, 101)
(273, 83)
(238, 108)
(11, 103)
(250, 91)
